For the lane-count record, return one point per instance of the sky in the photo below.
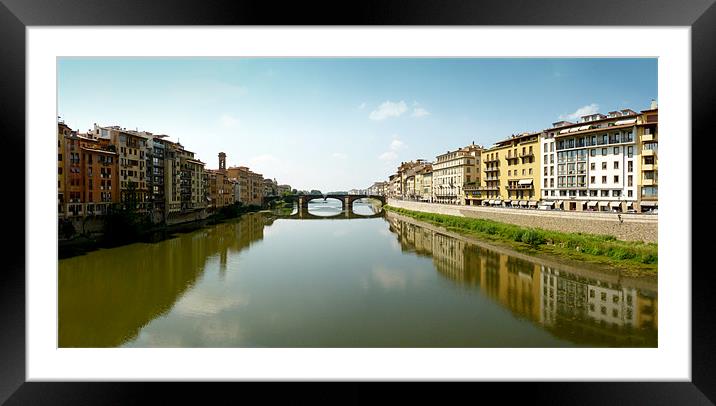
(342, 123)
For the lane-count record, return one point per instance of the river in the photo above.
(363, 278)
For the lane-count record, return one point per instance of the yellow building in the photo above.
(424, 183)
(511, 172)
(648, 139)
(453, 172)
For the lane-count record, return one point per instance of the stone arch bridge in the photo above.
(302, 200)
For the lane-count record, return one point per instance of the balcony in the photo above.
(489, 188)
(649, 182)
(527, 155)
(489, 178)
(488, 160)
(492, 170)
(648, 152)
(647, 137)
(519, 187)
(649, 167)
(510, 158)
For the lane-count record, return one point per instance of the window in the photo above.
(616, 150)
(593, 152)
(603, 296)
(551, 157)
(630, 166)
(592, 179)
(523, 172)
(593, 193)
(604, 151)
(530, 171)
(616, 164)
(551, 171)
(630, 152)
(630, 180)
(630, 193)
(616, 193)
(604, 165)
(604, 179)
(604, 193)
(593, 165)
(616, 178)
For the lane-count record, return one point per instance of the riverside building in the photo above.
(648, 139)
(510, 169)
(453, 172)
(595, 163)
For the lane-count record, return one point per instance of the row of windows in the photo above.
(590, 193)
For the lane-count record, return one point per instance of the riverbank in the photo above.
(636, 258)
(82, 244)
(623, 226)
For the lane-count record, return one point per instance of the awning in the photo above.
(508, 201)
(525, 181)
(573, 130)
(584, 127)
(603, 204)
(550, 204)
(592, 204)
(523, 202)
(615, 204)
(622, 122)
(533, 203)
(491, 202)
(498, 201)
(649, 204)
(566, 130)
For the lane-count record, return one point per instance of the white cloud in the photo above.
(582, 111)
(361, 106)
(388, 109)
(391, 154)
(229, 121)
(388, 156)
(339, 155)
(396, 144)
(420, 112)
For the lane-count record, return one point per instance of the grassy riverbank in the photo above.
(635, 257)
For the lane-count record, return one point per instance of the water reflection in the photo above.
(107, 296)
(585, 307)
(389, 281)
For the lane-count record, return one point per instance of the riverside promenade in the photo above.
(633, 227)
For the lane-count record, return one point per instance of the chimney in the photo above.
(653, 104)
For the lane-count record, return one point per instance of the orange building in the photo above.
(251, 184)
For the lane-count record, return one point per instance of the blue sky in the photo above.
(337, 124)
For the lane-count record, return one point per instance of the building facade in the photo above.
(454, 171)
(596, 163)
(648, 139)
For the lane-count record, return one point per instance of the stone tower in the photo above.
(222, 162)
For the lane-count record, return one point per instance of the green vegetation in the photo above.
(603, 249)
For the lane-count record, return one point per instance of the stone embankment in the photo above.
(633, 227)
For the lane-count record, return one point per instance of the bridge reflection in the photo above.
(303, 213)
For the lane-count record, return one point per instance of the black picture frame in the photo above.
(16, 15)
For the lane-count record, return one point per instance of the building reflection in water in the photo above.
(586, 307)
(140, 282)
